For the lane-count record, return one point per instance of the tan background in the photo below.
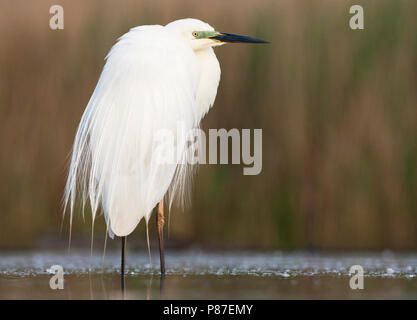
(338, 109)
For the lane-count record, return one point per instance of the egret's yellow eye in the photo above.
(195, 34)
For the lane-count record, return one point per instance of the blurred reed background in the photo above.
(338, 109)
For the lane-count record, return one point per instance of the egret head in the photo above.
(200, 35)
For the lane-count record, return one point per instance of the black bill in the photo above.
(229, 37)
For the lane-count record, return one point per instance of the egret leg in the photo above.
(122, 267)
(160, 225)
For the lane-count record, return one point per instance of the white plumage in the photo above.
(154, 77)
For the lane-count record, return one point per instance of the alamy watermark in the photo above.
(357, 20)
(170, 147)
(57, 280)
(356, 280)
(56, 22)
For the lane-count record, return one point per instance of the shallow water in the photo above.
(210, 275)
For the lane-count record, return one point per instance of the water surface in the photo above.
(197, 274)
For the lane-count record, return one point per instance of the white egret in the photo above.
(154, 77)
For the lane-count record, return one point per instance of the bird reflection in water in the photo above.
(123, 288)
